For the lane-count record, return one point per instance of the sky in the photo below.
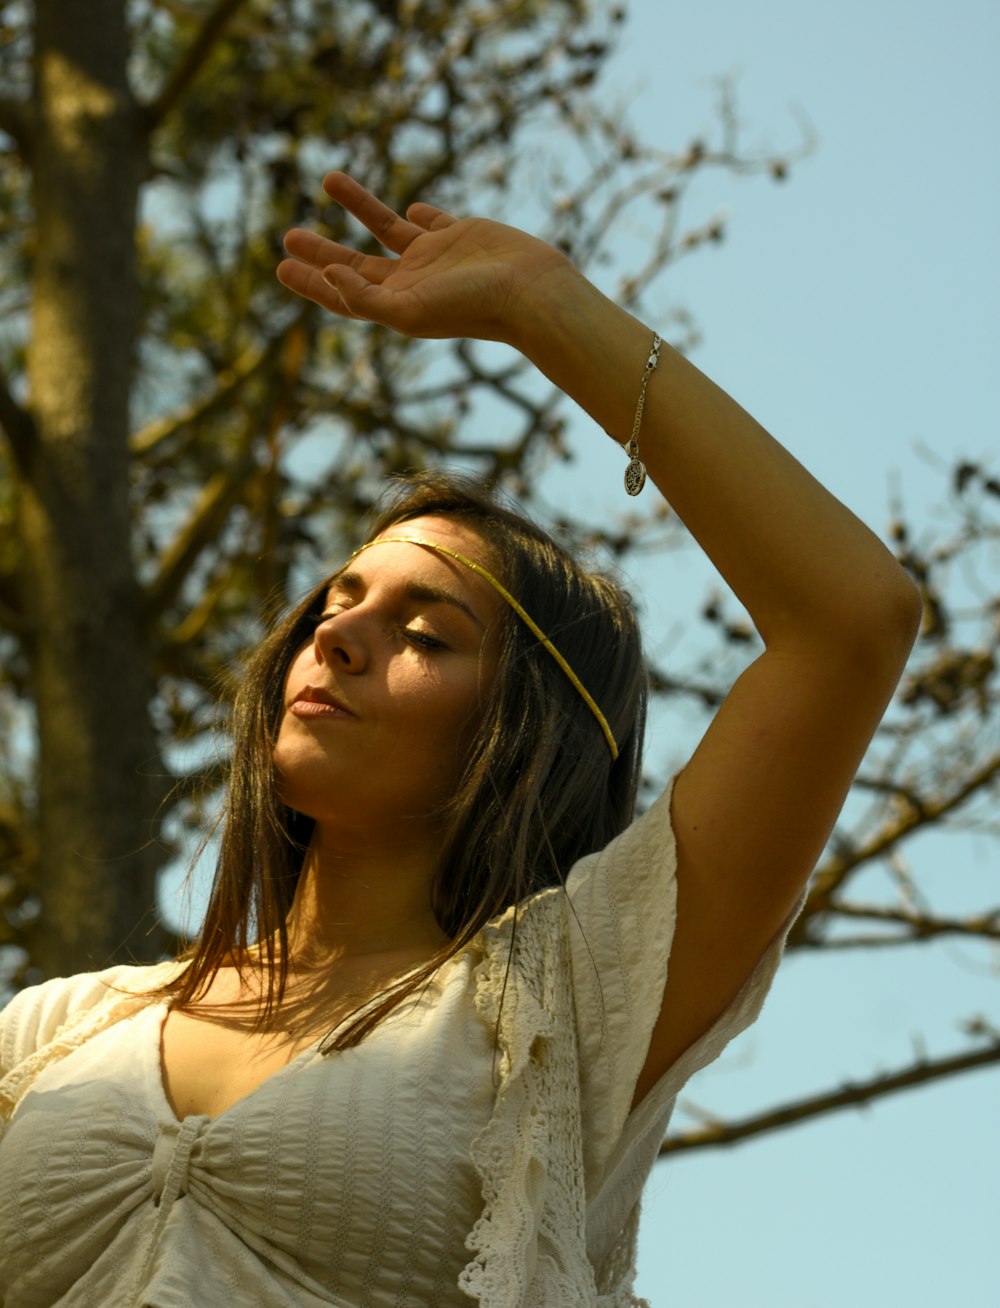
(855, 311)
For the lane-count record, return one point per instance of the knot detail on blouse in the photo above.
(172, 1158)
(170, 1164)
(480, 1144)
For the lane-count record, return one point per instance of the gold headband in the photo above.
(525, 617)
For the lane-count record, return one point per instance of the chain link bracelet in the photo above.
(635, 473)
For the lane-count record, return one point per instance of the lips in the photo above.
(315, 702)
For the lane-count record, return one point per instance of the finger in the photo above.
(321, 252)
(315, 249)
(363, 299)
(308, 282)
(429, 217)
(385, 224)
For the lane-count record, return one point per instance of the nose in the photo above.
(339, 640)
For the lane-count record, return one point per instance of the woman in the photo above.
(428, 1043)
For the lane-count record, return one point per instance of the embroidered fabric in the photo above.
(79, 1027)
(570, 983)
(529, 1242)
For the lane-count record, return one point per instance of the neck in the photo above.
(359, 897)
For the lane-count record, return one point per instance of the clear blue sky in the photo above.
(856, 312)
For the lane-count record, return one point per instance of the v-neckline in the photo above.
(159, 1066)
(159, 1080)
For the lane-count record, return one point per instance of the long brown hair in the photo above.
(539, 789)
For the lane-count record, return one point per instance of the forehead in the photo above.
(440, 530)
(392, 554)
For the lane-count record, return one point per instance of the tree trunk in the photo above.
(100, 776)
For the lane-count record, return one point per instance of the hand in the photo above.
(452, 277)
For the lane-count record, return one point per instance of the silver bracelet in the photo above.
(635, 473)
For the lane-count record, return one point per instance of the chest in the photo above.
(354, 1167)
(211, 1058)
(210, 1055)
(208, 1065)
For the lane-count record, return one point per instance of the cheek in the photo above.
(437, 717)
(295, 756)
(458, 720)
(302, 660)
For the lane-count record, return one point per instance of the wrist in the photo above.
(547, 308)
(590, 347)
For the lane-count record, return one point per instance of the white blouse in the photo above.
(466, 1149)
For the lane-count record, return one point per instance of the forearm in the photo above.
(804, 566)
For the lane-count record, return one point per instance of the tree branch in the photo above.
(191, 64)
(851, 1096)
(191, 627)
(251, 362)
(662, 683)
(920, 926)
(920, 813)
(218, 495)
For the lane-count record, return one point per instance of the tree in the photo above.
(184, 446)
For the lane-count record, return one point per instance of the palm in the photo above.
(449, 277)
(459, 272)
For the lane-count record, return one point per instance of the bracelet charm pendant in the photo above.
(635, 473)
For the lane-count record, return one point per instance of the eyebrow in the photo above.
(415, 590)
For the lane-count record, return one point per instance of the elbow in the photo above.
(912, 608)
(888, 625)
(905, 608)
(874, 624)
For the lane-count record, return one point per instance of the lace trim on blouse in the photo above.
(528, 1244)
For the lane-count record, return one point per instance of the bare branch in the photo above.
(919, 813)
(661, 683)
(190, 65)
(851, 1096)
(161, 429)
(191, 627)
(920, 926)
(245, 368)
(217, 497)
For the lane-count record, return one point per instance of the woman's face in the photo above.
(382, 703)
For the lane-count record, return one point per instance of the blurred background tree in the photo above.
(186, 447)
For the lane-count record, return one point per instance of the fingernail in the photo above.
(328, 276)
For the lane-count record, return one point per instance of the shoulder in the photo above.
(38, 1013)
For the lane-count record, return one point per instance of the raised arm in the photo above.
(756, 803)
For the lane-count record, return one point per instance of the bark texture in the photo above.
(98, 757)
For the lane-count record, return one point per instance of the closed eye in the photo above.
(422, 640)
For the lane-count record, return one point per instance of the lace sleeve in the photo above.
(621, 910)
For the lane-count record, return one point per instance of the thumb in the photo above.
(361, 298)
(351, 287)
